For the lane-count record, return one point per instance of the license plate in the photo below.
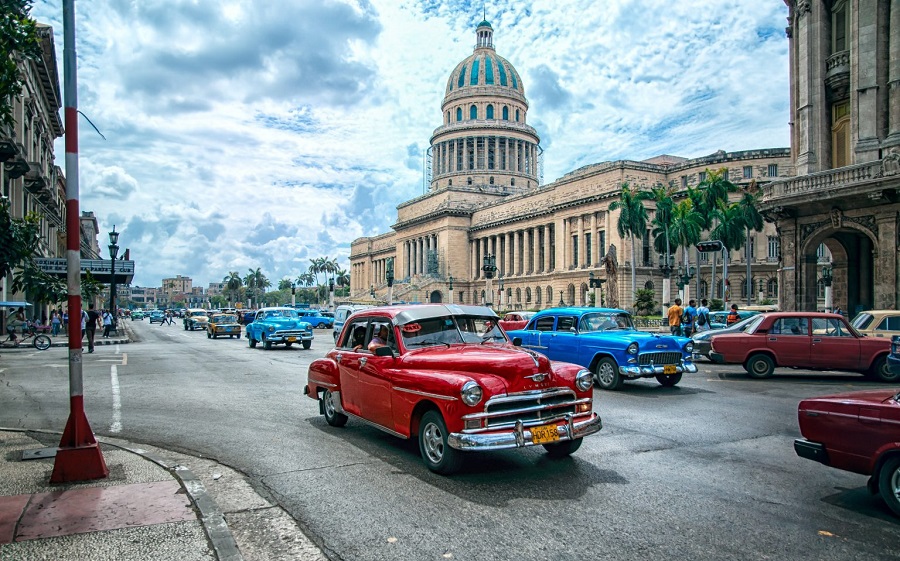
(544, 434)
(292, 339)
(669, 369)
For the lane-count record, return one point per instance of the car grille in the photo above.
(291, 333)
(659, 358)
(531, 408)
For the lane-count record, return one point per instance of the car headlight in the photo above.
(271, 329)
(632, 349)
(471, 393)
(584, 380)
(689, 348)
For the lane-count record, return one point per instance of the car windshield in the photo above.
(226, 319)
(450, 330)
(605, 321)
(280, 314)
(194, 314)
(862, 320)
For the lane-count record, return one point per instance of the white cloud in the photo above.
(247, 134)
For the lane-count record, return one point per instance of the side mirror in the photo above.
(517, 341)
(384, 351)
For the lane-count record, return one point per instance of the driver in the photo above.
(379, 340)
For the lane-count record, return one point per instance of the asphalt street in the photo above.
(705, 470)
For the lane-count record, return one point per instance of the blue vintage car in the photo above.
(277, 326)
(605, 341)
(316, 318)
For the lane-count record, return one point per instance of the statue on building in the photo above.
(611, 264)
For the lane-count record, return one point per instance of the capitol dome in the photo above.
(484, 67)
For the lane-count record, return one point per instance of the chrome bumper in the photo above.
(521, 436)
(647, 370)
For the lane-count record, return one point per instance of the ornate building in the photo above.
(845, 143)
(486, 204)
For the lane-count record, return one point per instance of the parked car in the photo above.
(157, 316)
(223, 324)
(810, 340)
(515, 320)
(279, 326)
(606, 341)
(878, 323)
(719, 320)
(341, 313)
(316, 318)
(894, 357)
(702, 339)
(247, 316)
(195, 318)
(856, 432)
(137, 314)
(449, 376)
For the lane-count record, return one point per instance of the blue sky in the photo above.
(250, 133)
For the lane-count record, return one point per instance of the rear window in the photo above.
(862, 321)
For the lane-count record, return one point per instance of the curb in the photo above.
(211, 517)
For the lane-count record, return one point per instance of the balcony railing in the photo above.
(820, 182)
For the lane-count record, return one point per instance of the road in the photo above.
(704, 471)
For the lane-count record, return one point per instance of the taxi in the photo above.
(223, 324)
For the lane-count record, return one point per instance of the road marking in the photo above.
(124, 359)
(116, 425)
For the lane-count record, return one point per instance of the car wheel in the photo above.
(607, 374)
(215, 335)
(562, 449)
(881, 371)
(668, 381)
(760, 366)
(185, 327)
(252, 343)
(332, 417)
(889, 483)
(307, 344)
(267, 345)
(438, 456)
(208, 335)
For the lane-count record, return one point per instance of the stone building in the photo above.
(486, 199)
(845, 145)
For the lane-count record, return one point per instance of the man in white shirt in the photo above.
(702, 322)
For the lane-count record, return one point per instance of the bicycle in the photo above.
(39, 341)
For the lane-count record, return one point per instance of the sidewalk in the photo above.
(154, 505)
(120, 337)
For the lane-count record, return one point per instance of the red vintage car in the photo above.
(515, 320)
(858, 432)
(803, 340)
(448, 375)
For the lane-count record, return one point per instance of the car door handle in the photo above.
(817, 340)
(773, 338)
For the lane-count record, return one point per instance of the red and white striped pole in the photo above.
(79, 457)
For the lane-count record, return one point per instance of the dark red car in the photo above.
(807, 340)
(858, 432)
(515, 320)
(448, 375)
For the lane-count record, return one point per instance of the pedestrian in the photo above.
(65, 321)
(687, 319)
(55, 323)
(89, 322)
(703, 316)
(675, 312)
(107, 323)
(838, 311)
(733, 317)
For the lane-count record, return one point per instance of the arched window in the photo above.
(648, 285)
(519, 295)
(468, 181)
(772, 288)
(505, 113)
(527, 295)
(447, 122)
(490, 111)
(473, 112)
(459, 113)
(491, 180)
(704, 289)
(482, 297)
(512, 181)
(517, 115)
(537, 294)
(820, 289)
(550, 296)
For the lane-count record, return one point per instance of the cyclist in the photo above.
(14, 320)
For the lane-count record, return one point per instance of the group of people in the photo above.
(689, 320)
(59, 319)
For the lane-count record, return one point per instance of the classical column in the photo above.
(516, 254)
(560, 235)
(583, 257)
(595, 242)
(893, 138)
(474, 259)
(510, 262)
(546, 228)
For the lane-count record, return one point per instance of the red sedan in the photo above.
(807, 340)
(857, 432)
(515, 320)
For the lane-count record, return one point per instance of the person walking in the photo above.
(675, 312)
(107, 323)
(733, 317)
(703, 316)
(55, 323)
(65, 321)
(89, 321)
(687, 319)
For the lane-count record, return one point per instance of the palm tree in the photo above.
(729, 229)
(714, 189)
(256, 283)
(662, 219)
(284, 284)
(342, 277)
(687, 226)
(752, 220)
(632, 221)
(317, 265)
(233, 284)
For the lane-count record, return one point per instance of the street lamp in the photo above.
(666, 266)
(500, 291)
(594, 284)
(389, 277)
(372, 292)
(451, 289)
(489, 266)
(293, 294)
(113, 251)
(827, 278)
(685, 274)
(331, 293)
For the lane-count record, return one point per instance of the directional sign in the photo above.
(97, 267)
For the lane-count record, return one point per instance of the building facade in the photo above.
(486, 201)
(845, 146)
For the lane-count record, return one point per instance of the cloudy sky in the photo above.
(251, 133)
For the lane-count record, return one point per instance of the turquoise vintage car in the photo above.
(605, 341)
(279, 326)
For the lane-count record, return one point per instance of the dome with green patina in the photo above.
(484, 67)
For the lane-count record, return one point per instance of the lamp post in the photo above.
(489, 266)
(389, 277)
(594, 284)
(451, 289)
(685, 274)
(500, 291)
(666, 266)
(331, 293)
(827, 278)
(293, 295)
(113, 251)
(372, 292)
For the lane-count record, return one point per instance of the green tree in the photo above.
(18, 38)
(753, 221)
(632, 221)
(284, 284)
(256, 283)
(19, 238)
(729, 228)
(644, 303)
(233, 284)
(715, 189)
(663, 196)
